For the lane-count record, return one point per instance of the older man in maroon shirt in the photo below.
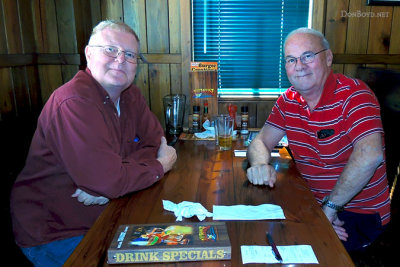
(96, 140)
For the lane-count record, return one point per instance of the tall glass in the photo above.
(224, 132)
(174, 110)
(214, 123)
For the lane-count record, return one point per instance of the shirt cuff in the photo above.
(159, 171)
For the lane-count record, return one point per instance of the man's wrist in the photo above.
(326, 202)
(258, 163)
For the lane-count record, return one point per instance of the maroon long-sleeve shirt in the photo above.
(81, 142)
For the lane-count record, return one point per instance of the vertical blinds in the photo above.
(246, 38)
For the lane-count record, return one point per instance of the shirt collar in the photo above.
(101, 90)
(329, 87)
(105, 96)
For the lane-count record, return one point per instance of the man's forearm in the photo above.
(258, 153)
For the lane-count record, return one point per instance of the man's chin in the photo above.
(117, 83)
(116, 78)
(116, 72)
(302, 86)
(302, 83)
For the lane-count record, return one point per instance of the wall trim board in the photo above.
(366, 59)
(155, 58)
(17, 60)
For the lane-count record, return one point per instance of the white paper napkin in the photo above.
(187, 209)
(209, 132)
(246, 212)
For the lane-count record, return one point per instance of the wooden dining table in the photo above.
(205, 175)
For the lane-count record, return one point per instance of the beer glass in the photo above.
(224, 131)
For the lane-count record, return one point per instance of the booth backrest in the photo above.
(386, 85)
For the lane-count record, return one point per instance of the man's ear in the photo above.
(329, 58)
(88, 54)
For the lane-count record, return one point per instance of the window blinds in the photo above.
(246, 38)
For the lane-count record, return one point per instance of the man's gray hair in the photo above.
(316, 33)
(114, 25)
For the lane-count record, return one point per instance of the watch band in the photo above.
(330, 204)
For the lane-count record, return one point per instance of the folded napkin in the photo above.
(186, 209)
(209, 132)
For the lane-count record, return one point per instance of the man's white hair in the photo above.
(114, 25)
(316, 33)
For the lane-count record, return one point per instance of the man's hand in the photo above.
(88, 199)
(166, 155)
(337, 224)
(262, 174)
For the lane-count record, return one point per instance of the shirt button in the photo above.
(157, 177)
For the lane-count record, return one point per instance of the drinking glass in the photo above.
(224, 127)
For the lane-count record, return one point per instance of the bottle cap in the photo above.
(244, 109)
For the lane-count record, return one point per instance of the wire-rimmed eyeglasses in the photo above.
(305, 58)
(114, 52)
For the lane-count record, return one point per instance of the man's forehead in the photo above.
(302, 42)
(110, 33)
(108, 36)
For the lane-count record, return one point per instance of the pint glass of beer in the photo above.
(225, 130)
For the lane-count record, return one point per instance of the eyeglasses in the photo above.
(114, 52)
(305, 58)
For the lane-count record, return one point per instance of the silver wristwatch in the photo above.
(330, 204)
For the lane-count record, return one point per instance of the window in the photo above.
(246, 38)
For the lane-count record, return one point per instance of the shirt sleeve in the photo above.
(277, 117)
(361, 113)
(80, 137)
(149, 133)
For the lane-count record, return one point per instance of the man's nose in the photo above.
(299, 65)
(120, 57)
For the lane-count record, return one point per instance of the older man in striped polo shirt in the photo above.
(335, 133)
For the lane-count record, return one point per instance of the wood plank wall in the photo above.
(368, 35)
(33, 32)
(42, 44)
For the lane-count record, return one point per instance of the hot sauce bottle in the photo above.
(232, 113)
(245, 120)
(205, 114)
(196, 119)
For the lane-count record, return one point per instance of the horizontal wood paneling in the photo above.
(360, 35)
(366, 59)
(158, 58)
(14, 60)
(45, 37)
